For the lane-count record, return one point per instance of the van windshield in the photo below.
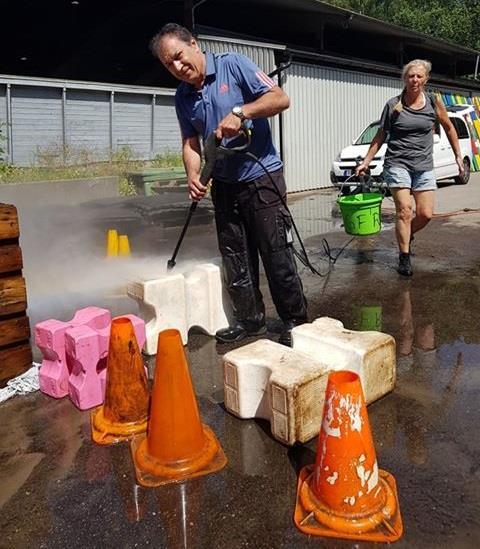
(366, 137)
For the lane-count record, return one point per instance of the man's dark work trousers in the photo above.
(251, 219)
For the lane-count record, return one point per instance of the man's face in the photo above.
(185, 61)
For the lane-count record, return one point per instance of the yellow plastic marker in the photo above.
(112, 243)
(123, 245)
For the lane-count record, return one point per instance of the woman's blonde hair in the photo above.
(417, 62)
(427, 66)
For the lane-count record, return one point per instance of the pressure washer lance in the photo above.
(213, 150)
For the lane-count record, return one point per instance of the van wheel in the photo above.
(466, 174)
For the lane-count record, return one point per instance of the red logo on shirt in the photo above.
(224, 88)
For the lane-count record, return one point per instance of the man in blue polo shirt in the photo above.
(218, 93)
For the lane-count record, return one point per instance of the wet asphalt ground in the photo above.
(58, 489)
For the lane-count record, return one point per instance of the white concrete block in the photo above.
(271, 381)
(369, 354)
(207, 306)
(181, 301)
(287, 386)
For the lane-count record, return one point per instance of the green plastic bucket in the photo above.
(361, 213)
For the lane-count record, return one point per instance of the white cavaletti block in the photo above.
(181, 301)
(369, 354)
(287, 386)
(206, 306)
(271, 381)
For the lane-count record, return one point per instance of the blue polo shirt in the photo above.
(231, 79)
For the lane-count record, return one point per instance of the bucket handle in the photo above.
(369, 183)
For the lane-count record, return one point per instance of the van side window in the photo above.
(461, 128)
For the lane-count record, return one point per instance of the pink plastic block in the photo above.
(50, 338)
(86, 352)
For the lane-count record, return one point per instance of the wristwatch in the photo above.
(237, 111)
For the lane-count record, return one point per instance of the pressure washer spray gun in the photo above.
(213, 150)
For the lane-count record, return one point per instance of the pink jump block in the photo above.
(87, 351)
(50, 339)
(75, 355)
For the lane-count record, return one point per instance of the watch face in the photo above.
(238, 111)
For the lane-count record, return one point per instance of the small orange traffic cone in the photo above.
(178, 446)
(345, 495)
(125, 410)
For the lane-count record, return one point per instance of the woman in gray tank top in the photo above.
(409, 120)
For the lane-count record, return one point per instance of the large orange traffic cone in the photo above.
(178, 446)
(125, 410)
(345, 495)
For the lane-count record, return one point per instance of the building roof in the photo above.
(108, 40)
(347, 19)
(314, 25)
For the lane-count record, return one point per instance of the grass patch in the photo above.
(126, 187)
(167, 160)
(54, 163)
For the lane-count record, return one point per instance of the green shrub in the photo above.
(126, 187)
(123, 154)
(167, 159)
(73, 162)
(2, 140)
(6, 169)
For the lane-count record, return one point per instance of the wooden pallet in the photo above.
(15, 349)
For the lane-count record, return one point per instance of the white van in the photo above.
(443, 158)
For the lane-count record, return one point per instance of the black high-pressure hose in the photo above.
(302, 254)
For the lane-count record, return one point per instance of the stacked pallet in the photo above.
(15, 350)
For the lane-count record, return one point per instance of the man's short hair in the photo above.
(170, 29)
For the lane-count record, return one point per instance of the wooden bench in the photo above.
(146, 180)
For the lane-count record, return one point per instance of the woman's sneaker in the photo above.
(404, 266)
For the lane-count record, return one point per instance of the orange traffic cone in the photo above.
(125, 410)
(178, 445)
(345, 495)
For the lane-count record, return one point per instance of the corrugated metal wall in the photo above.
(328, 109)
(88, 121)
(50, 120)
(167, 133)
(132, 123)
(262, 55)
(36, 125)
(3, 125)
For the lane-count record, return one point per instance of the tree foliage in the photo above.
(453, 20)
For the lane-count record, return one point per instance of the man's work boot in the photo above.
(238, 331)
(404, 266)
(286, 334)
